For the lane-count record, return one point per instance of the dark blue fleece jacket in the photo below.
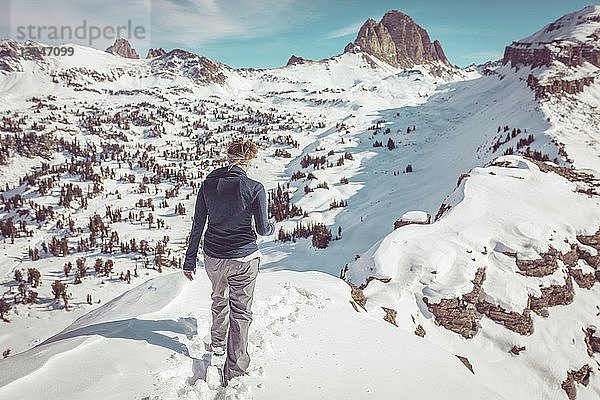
(230, 199)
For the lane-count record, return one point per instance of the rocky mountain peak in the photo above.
(297, 60)
(397, 40)
(200, 69)
(122, 48)
(152, 53)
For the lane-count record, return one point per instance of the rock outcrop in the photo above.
(461, 314)
(122, 48)
(12, 53)
(152, 53)
(558, 85)
(572, 40)
(297, 60)
(544, 54)
(200, 69)
(581, 376)
(398, 41)
(592, 342)
(419, 218)
(9, 56)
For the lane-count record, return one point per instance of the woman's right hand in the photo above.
(189, 274)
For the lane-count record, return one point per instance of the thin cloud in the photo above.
(348, 30)
(69, 15)
(483, 55)
(197, 22)
(187, 23)
(451, 30)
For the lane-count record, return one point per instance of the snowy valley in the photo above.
(437, 228)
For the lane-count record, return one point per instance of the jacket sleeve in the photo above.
(259, 210)
(196, 232)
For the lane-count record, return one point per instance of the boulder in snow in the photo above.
(413, 217)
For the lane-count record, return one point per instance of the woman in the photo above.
(231, 257)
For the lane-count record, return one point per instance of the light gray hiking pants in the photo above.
(232, 291)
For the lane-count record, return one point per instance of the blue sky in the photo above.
(264, 33)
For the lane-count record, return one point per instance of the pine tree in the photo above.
(67, 268)
(81, 267)
(59, 290)
(22, 289)
(33, 277)
(108, 267)
(390, 144)
(98, 266)
(320, 236)
(4, 308)
(18, 275)
(31, 296)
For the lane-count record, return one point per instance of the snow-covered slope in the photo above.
(579, 26)
(505, 212)
(510, 267)
(306, 343)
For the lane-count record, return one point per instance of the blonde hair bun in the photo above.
(244, 150)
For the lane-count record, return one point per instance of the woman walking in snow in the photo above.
(231, 257)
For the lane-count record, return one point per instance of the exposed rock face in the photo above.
(516, 322)
(297, 60)
(200, 69)
(12, 53)
(9, 56)
(571, 40)
(459, 314)
(122, 48)
(398, 41)
(357, 295)
(152, 53)
(546, 265)
(401, 222)
(555, 86)
(390, 315)
(572, 55)
(581, 376)
(592, 342)
(553, 295)
(466, 363)
(420, 331)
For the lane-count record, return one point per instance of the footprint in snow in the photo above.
(273, 317)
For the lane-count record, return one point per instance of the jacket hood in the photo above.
(228, 171)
